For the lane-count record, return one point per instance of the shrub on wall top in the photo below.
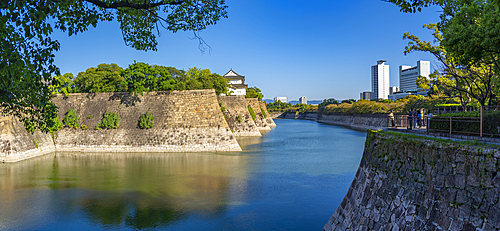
(222, 108)
(251, 112)
(263, 112)
(146, 120)
(110, 121)
(71, 119)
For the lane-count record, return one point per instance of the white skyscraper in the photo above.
(303, 100)
(380, 80)
(408, 75)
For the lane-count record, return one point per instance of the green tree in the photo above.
(349, 101)
(142, 77)
(472, 81)
(469, 32)
(278, 105)
(325, 103)
(27, 47)
(103, 78)
(61, 84)
(197, 78)
(254, 92)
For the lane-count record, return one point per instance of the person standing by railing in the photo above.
(415, 118)
(421, 116)
(410, 119)
(391, 119)
(429, 116)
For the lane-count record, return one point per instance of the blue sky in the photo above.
(319, 49)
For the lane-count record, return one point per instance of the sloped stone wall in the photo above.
(269, 118)
(260, 121)
(356, 121)
(184, 121)
(235, 106)
(276, 115)
(18, 144)
(410, 183)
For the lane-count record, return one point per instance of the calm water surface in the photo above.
(292, 178)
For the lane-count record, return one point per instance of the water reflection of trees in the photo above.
(136, 190)
(128, 209)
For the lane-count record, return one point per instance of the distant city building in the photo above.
(283, 99)
(408, 75)
(380, 80)
(365, 95)
(408, 79)
(303, 100)
(236, 83)
(393, 90)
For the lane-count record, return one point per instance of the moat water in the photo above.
(291, 178)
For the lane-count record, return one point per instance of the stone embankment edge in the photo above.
(357, 122)
(236, 106)
(269, 119)
(187, 121)
(260, 120)
(406, 182)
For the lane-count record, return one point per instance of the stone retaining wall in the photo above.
(275, 115)
(184, 121)
(269, 118)
(260, 121)
(361, 122)
(17, 144)
(235, 106)
(410, 183)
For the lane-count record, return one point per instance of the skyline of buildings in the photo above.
(408, 76)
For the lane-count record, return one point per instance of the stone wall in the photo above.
(276, 115)
(410, 183)
(377, 121)
(18, 144)
(296, 115)
(235, 106)
(269, 119)
(260, 121)
(184, 121)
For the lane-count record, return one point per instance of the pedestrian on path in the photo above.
(415, 118)
(429, 116)
(391, 119)
(410, 119)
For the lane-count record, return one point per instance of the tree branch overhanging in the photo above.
(117, 5)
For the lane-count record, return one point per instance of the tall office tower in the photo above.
(408, 75)
(303, 100)
(380, 80)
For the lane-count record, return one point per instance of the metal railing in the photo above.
(454, 122)
(401, 121)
